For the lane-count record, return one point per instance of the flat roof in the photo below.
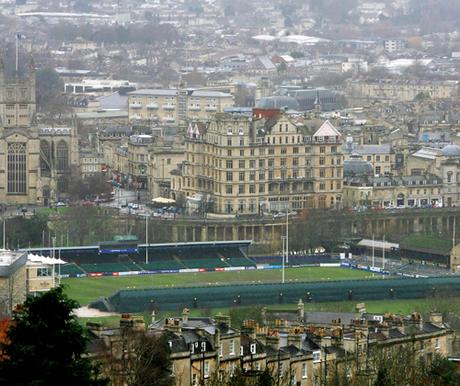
(161, 245)
(8, 257)
(211, 94)
(103, 114)
(152, 91)
(377, 244)
(10, 261)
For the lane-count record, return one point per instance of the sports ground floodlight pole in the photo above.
(383, 254)
(283, 238)
(146, 239)
(287, 235)
(373, 252)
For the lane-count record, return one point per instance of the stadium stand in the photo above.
(162, 265)
(110, 267)
(298, 259)
(241, 262)
(71, 269)
(162, 257)
(204, 263)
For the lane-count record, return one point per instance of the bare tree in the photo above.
(139, 358)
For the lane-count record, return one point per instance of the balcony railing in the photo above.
(136, 105)
(153, 106)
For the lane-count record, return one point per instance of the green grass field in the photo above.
(396, 306)
(85, 290)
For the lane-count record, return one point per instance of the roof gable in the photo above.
(327, 129)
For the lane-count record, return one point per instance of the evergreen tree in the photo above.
(383, 378)
(46, 345)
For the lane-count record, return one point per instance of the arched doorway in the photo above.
(400, 200)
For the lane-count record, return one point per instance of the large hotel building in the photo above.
(267, 162)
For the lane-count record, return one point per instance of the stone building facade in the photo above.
(170, 106)
(296, 347)
(401, 90)
(34, 162)
(242, 165)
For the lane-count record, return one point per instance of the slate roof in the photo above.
(396, 334)
(327, 317)
(113, 101)
(309, 345)
(292, 350)
(384, 148)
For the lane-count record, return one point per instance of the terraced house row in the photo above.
(295, 347)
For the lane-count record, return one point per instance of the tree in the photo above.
(442, 372)
(240, 378)
(316, 228)
(49, 89)
(398, 365)
(240, 314)
(421, 96)
(47, 345)
(5, 324)
(150, 363)
(84, 224)
(336, 10)
(22, 232)
(85, 188)
(382, 378)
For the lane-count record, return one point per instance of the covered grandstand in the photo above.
(109, 259)
(427, 249)
(162, 258)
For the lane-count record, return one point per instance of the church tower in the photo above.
(17, 98)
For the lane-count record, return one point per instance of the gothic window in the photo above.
(45, 158)
(62, 184)
(17, 168)
(62, 156)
